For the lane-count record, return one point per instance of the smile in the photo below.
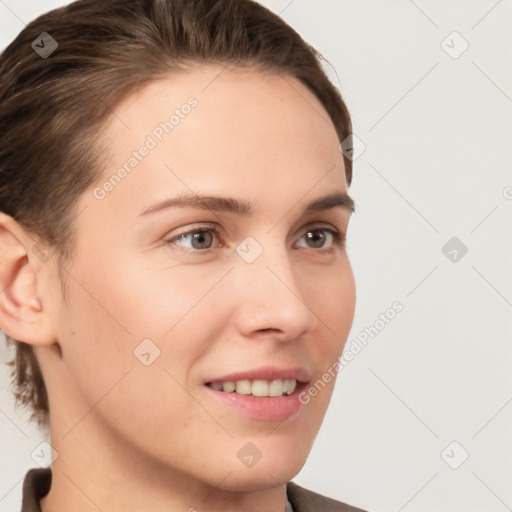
(257, 387)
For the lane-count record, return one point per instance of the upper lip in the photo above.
(270, 373)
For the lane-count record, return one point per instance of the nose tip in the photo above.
(271, 302)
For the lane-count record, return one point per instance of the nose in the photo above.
(270, 297)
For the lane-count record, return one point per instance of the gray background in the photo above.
(433, 386)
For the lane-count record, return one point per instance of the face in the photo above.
(167, 304)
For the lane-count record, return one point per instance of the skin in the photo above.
(132, 437)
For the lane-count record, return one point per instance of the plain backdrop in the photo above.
(421, 417)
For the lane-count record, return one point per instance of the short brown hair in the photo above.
(51, 109)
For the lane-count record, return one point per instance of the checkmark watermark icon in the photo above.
(146, 352)
(455, 455)
(454, 45)
(44, 44)
(249, 249)
(44, 454)
(249, 455)
(454, 249)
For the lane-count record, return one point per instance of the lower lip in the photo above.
(262, 408)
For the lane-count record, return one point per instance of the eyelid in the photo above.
(200, 227)
(322, 225)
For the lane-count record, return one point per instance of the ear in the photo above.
(22, 315)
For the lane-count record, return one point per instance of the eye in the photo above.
(199, 239)
(316, 238)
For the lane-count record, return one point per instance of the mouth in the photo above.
(269, 393)
(256, 387)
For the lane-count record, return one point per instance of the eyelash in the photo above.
(339, 238)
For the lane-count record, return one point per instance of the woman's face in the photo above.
(158, 309)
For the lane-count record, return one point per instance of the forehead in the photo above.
(232, 106)
(225, 90)
(213, 127)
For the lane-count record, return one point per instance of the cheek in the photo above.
(124, 350)
(346, 298)
(139, 299)
(332, 296)
(155, 296)
(333, 300)
(95, 340)
(120, 313)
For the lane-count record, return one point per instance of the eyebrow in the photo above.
(244, 208)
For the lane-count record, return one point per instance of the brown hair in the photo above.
(52, 107)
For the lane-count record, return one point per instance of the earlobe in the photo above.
(22, 315)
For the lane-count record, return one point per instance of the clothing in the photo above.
(37, 484)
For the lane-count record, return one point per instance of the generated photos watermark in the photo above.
(354, 347)
(152, 140)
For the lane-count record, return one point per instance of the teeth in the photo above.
(260, 388)
(228, 386)
(275, 388)
(243, 387)
(257, 387)
(291, 386)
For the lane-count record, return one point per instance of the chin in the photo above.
(268, 472)
(258, 480)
